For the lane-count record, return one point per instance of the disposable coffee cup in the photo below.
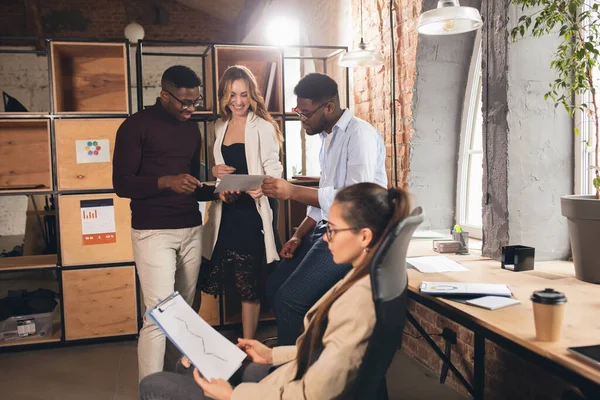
(548, 313)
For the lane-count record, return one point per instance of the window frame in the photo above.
(471, 101)
(583, 174)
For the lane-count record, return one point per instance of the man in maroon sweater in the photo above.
(156, 164)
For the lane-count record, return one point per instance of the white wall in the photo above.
(540, 148)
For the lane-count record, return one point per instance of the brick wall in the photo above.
(372, 86)
(507, 375)
(108, 18)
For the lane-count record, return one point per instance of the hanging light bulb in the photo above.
(449, 18)
(363, 56)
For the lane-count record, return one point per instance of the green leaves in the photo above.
(576, 55)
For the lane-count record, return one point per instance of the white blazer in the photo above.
(262, 157)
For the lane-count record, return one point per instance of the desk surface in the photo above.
(582, 314)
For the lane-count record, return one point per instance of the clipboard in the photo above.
(209, 351)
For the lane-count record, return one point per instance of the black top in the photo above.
(241, 226)
(151, 144)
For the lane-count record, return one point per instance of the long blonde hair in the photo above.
(257, 102)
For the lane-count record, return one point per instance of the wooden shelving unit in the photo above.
(89, 99)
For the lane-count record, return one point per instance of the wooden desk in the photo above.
(513, 327)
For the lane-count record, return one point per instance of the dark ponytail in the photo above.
(364, 205)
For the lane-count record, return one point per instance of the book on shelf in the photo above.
(269, 82)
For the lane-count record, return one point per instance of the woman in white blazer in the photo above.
(239, 233)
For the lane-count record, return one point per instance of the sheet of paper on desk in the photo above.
(430, 235)
(464, 289)
(435, 264)
(240, 183)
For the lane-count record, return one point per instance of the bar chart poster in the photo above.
(98, 221)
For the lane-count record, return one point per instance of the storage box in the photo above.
(84, 152)
(518, 258)
(25, 155)
(89, 77)
(99, 302)
(24, 326)
(95, 229)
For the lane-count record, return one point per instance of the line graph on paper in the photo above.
(201, 340)
(209, 351)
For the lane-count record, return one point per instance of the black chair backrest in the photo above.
(389, 284)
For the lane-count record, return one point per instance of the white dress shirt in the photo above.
(354, 153)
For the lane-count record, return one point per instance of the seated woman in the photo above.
(325, 361)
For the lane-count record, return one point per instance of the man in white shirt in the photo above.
(352, 151)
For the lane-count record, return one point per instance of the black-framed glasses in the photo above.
(330, 232)
(309, 114)
(185, 104)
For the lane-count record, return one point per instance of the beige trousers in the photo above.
(166, 260)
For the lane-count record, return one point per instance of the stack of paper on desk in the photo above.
(464, 289)
(435, 264)
(430, 235)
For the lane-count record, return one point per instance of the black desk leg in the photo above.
(479, 366)
(441, 355)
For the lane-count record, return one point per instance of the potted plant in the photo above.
(576, 22)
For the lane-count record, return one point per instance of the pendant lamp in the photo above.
(363, 56)
(449, 18)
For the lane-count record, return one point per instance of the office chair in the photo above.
(389, 285)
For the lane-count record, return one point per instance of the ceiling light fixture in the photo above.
(363, 56)
(449, 18)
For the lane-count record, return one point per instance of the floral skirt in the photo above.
(241, 272)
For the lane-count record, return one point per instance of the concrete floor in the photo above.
(109, 372)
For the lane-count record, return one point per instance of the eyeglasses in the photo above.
(308, 114)
(185, 104)
(330, 232)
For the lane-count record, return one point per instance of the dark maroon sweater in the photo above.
(151, 144)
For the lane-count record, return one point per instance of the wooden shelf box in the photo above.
(25, 155)
(261, 60)
(100, 246)
(99, 302)
(89, 77)
(84, 151)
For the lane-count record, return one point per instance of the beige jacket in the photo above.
(351, 323)
(262, 157)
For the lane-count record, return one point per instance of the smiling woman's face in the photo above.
(239, 100)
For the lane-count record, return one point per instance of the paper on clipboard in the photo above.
(240, 183)
(209, 351)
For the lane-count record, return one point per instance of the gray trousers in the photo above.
(182, 386)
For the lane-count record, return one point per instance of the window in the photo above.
(584, 142)
(301, 150)
(470, 161)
